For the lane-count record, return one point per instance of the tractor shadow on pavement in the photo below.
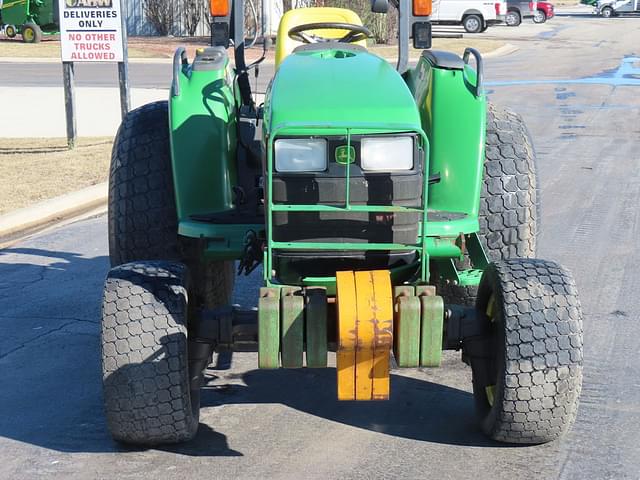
(50, 388)
(207, 443)
(418, 409)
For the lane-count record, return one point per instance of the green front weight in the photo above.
(316, 318)
(431, 335)
(407, 329)
(292, 332)
(269, 328)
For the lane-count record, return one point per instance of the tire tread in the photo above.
(144, 354)
(538, 396)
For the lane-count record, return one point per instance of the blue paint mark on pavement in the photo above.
(628, 74)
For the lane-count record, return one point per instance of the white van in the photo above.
(474, 15)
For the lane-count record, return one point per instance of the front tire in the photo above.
(528, 378)
(473, 23)
(148, 393)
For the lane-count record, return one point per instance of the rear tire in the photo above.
(513, 18)
(149, 398)
(143, 222)
(473, 23)
(509, 199)
(607, 12)
(527, 383)
(31, 33)
(540, 16)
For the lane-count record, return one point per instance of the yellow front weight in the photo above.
(365, 326)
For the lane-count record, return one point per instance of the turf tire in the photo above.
(143, 224)
(535, 360)
(145, 363)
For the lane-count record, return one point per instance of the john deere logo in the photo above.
(345, 154)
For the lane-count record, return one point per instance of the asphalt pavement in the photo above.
(575, 82)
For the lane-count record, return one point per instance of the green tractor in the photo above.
(29, 18)
(393, 211)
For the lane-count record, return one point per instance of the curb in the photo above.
(29, 220)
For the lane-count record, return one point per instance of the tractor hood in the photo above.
(339, 86)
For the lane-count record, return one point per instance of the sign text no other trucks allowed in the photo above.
(91, 31)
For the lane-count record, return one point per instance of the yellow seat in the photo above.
(301, 16)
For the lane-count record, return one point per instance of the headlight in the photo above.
(386, 154)
(301, 155)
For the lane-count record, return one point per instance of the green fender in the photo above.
(454, 119)
(202, 118)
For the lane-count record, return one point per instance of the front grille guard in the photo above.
(297, 129)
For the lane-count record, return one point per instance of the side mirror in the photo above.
(379, 6)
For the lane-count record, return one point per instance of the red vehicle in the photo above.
(544, 12)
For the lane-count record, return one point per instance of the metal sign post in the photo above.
(69, 103)
(92, 31)
(123, 66)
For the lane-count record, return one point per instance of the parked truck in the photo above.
(475, 16)
(518, 10)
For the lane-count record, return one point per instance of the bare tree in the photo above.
(192, 12)
(160, 14)
(383, 26)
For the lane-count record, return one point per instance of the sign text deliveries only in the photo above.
(91, 31)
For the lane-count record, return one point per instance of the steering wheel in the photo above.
(356, 32)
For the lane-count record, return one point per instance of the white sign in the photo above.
(91, 31)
